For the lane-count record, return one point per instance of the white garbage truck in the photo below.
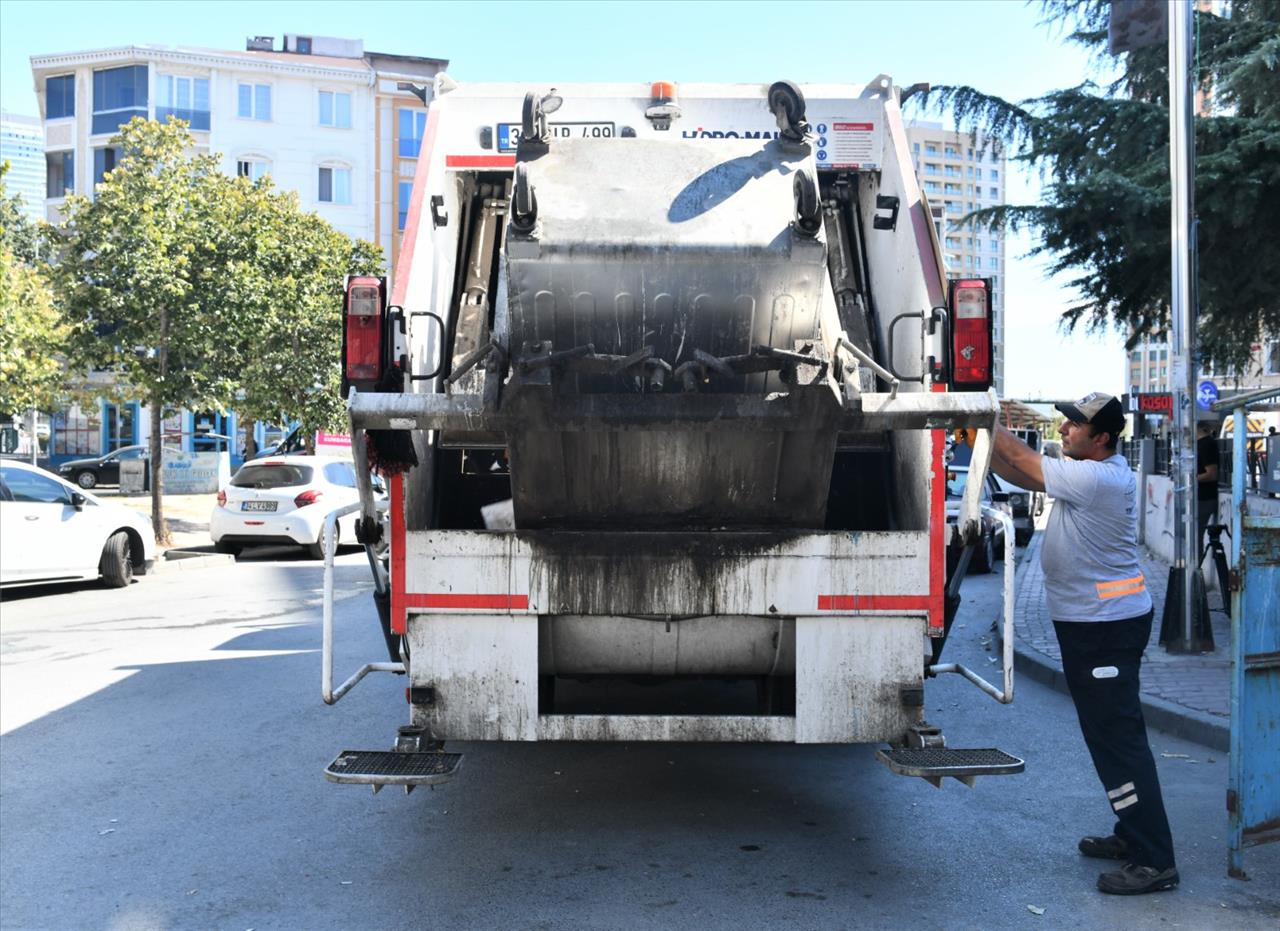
(663, 387)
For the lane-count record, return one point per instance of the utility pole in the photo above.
(1185, 614)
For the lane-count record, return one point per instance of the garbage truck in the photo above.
(663, 387)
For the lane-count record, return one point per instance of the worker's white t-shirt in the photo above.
(1090, 548)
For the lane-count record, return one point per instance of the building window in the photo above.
(1273, 357)
(952, 171)
(253, 101)
(995, 192)
(404, 192)
(335, 185)
(184, 98)
(252, 168)
(104, 160)
(993, 174)
(304, 45)
(77, 432)
(915, 147)
(932, 187)
(968, 261)
(952, 152)
(60, 173)
(335, 110)
(953, 242)
(412, 125)
(977, 262)
(119, 94)
(994, 245)
(60, 97)
(930, 149)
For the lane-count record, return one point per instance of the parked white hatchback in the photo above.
(284, 500)
(52, 531)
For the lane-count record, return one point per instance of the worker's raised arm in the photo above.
(1015, 461)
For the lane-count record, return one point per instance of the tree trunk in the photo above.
(157, 441)
(157, 470)
(33, 421)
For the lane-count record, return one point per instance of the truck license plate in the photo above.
(258, 505)
(509, 133)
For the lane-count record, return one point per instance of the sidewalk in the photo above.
(187, 516)
(1184, 695)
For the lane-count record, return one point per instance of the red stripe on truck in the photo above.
(458, 600)
(479, 161)
(873, 602)
(937, 538)
(398, 624)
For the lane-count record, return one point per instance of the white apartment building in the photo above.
(22, 146)
(339, 125)
(321, 116)
(958, 175)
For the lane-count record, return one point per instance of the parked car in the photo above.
(991, 547)
(285, 501)
(1025, 506)
(51, 531)
(105, 470)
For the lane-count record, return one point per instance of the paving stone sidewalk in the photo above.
(1187, 695)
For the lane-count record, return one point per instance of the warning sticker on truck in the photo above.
(847, 143)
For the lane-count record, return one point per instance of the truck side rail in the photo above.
(327, 691)
(1005, 695)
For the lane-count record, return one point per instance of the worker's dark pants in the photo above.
(1100, 661)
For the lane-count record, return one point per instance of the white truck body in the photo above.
(661, 532)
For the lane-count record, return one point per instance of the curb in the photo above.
(176, 560)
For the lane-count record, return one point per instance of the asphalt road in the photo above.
(161, 767)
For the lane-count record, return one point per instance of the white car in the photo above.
(51, 531)
(284, 500)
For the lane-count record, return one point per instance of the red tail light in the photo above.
(307, 497)
(222, 497)
(971, 334)
(363, 331)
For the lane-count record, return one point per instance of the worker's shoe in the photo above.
(1132, 879)
(1104, 848)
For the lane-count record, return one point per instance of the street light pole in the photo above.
(1182, 310)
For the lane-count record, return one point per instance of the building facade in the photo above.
(22, 146)
(959, 174)
(320, 116)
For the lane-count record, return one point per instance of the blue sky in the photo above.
(996, 45)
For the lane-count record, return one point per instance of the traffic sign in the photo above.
(1206, 394)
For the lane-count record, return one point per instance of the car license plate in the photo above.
(509, 133)
(257, 505)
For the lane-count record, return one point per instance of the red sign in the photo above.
(1155, 404)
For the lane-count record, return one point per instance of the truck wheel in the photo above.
(86, 479)
(116, 564)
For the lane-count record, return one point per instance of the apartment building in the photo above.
(959, 174)
(323, 117)
(22, 146)
(339, 125)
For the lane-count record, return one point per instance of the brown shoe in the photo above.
(1132, 879)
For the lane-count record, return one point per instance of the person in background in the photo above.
(1097, 596)
(1206, 478)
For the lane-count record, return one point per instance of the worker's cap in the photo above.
(1100, 411)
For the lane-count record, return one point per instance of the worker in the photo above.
(1206, 479)
(1097, 596)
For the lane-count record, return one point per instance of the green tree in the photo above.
(143, 278)
(18, 234)
(32, 339)
(289, 367)
(1102, 151)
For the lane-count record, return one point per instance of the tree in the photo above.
(1103, 152)
(143, 278)
(289, 366)
(18, 234)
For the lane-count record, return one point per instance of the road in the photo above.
(162, 750)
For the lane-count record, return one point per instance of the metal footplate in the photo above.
(934, 763)
(380, 768)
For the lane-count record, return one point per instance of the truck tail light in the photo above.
(310, 496)
(362, 333)
(970, 313)
(222, 497)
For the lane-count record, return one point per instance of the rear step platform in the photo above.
(933, 763)
(380, 768)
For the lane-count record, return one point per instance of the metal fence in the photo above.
(1161, 452)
